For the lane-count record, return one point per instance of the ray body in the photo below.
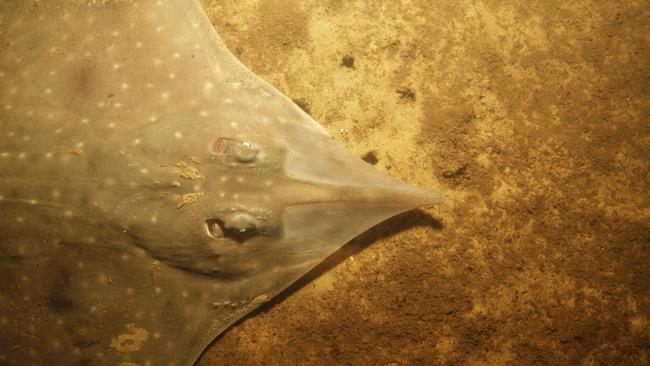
(152, 189)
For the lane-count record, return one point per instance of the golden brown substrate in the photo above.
(534, 118)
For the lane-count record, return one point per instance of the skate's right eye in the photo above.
(241, 151)
(238, 225)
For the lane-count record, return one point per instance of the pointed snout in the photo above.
(327, 172)
(399, 196)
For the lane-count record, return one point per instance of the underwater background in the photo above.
(532, 117)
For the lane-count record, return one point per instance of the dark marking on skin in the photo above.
(59, 303)
(84, 200)
(84, 335)
(32, 160)
(348, 61)
(14, 193)
(12, 257)
(83, 80)
(93, 159)
(370, 157)
(57, 298)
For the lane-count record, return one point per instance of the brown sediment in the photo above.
(189, 198)
(188, 171)
(131, 341)
(531, 117)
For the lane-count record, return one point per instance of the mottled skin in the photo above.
(152, 189)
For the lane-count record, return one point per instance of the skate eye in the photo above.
(241, 151)
(239, 226)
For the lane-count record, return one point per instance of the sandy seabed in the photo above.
(532, 117)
